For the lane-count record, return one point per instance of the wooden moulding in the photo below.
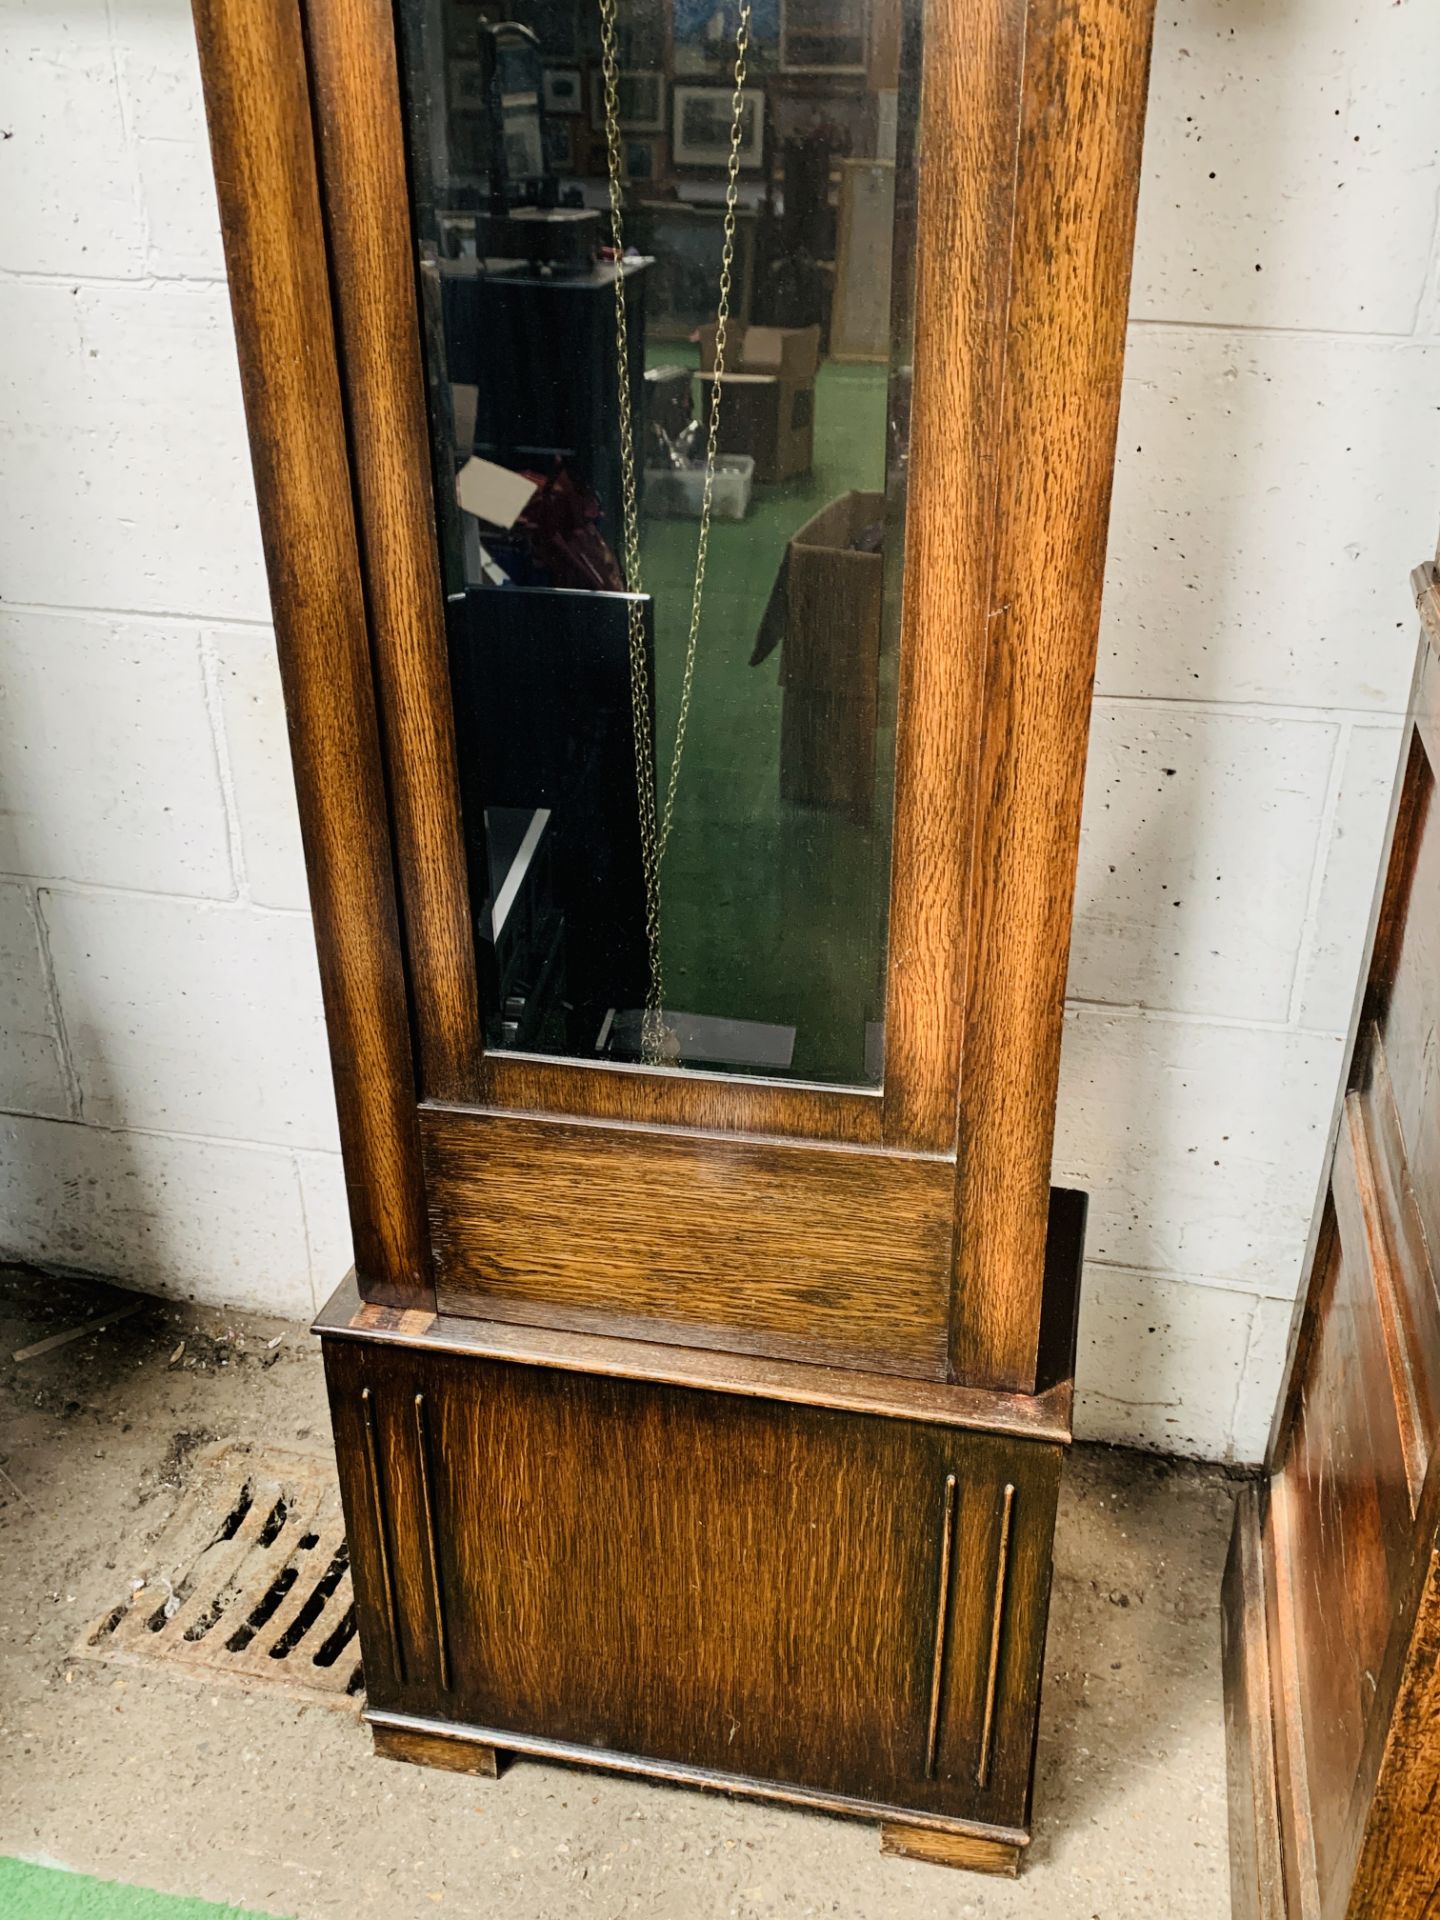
(729, 1103)
(917, 1836)
(358, 124)
(1042, 1417)
(258, 105)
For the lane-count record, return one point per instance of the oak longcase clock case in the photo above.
(683, 439)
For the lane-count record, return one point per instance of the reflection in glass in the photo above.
(763, 148)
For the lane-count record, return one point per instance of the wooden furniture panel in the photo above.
(1405, 990)
(1340, 1485)
(819, 1253)
(853, 1603)
(1409, 1303)
(1333, 1593)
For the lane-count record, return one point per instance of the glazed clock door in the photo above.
(671, 458)
(689, 757)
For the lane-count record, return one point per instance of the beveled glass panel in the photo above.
(664, 253)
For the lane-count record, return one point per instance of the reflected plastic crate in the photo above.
(675, 493)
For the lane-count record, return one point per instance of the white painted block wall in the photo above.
(165, 1113)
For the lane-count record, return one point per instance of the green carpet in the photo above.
(43, 1893)
(771, 912)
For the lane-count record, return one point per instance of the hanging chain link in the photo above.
(656, 1046)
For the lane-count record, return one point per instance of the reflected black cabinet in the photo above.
(683, 449)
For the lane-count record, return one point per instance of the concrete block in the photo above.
(160, 76)
(1261, 1379)
(69, 196)
(327, 1221)
(198, 1219)
(1290, 175)
(1272, 493)
(124, 470)
(1330, 975)
(1200, 1144)
(1158, 1362)
(258, 748)
(1197, 851)
(32, 1073)
(110, 771)
(187, 1018)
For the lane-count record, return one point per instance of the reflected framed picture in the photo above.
(644, 160)
(559, 146)
(640, 98)
(465, 86)
(702, 126)
(823, 36)
(564, 93)
(704, 37)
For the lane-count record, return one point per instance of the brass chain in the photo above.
(655, 823)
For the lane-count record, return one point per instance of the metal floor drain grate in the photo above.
(250, 1579)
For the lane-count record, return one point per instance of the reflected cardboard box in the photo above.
(769, 405)
(824, 615)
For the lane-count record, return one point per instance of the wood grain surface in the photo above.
(1086, 65)
(426, 1749)
(711, 1102)
(257, 101)
(1399, 1868)
(1023, 1416)
(742, 1586)
(970, 116)
(1257, 1874)
(822, 1253)
(976, 1853)
(373, 264)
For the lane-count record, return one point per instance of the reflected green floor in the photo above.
(43, 1893)
(770, 912)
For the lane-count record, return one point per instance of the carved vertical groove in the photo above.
(382, 1540)
(997, 1624)
(422, 1438)
(942, 1619)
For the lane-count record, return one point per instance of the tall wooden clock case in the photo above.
(697, 1423)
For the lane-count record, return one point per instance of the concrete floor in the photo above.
(158, 1779)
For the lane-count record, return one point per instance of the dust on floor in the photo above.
(164, 1781)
